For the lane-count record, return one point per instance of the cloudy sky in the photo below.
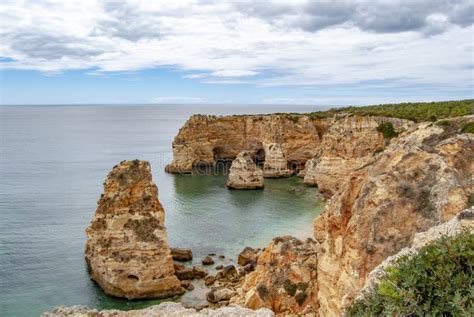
(254, 52)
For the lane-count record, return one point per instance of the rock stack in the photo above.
(275, 162)
(127, 249)
(244, 173)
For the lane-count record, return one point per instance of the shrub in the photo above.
(386, 128)
(468, 128)
(443, 123)
(416, 111)
(437, 281)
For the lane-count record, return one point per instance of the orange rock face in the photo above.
(350, 143)
(284, 279)
(419, 181)
(127, 249)
(208, 139)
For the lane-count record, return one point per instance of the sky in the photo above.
(236, 52)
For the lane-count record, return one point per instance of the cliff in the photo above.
(127, 250)
(350, 143)
(422, 179)
(204, 140)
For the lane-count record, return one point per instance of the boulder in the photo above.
(228, 273)
(127, 248)
(207, 260)
(181, 255)
(219, 294)
(185, 274)
(199, 272)
(244, 174)
(247, 256)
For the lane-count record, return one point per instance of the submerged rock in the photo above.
(275, 165)
(244, 174)
(127, 248)
(207, 260)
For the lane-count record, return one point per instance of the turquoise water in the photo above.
(53, 161)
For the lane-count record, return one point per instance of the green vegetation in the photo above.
(386, 128)
(468, 128)
(416, 111)
(437, 281)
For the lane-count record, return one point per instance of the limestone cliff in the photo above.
(127, 250)
(244, 174)
(350, 143)
(422, 179)
(208, 139)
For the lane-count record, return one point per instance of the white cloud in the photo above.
(234, 73)
(221, 42)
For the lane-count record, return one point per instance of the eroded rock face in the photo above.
(244, 173)
(284, 279)
(350, 143)
(275, 165)
(208, 139)
(422, 179)
(127, 249)
(462, 221)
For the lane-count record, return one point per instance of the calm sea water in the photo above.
(53, 161)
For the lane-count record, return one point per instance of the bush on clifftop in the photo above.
(437, 281)
(386, 128)
(416, 111)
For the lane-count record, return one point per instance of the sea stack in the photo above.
(127, 250)
(244, 173)
(275, 165)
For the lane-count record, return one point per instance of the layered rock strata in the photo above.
(205, 140)
(350, 143)
(284, 279)
(422, 179)
(244, 173)
(275, 165)
(127, 250)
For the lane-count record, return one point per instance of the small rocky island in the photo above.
(127, 248)
(395, 186)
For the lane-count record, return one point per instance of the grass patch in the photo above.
(468, 128)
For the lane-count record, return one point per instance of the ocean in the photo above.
(53, 161)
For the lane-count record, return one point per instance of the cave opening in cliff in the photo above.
(260, 157)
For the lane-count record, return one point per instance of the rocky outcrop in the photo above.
(350, 143)
(167, 309)
(205, 140)
(275, 165)
(244, 174)
(423, 178)
(462, 221)
(127, 250)
(284, 279)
